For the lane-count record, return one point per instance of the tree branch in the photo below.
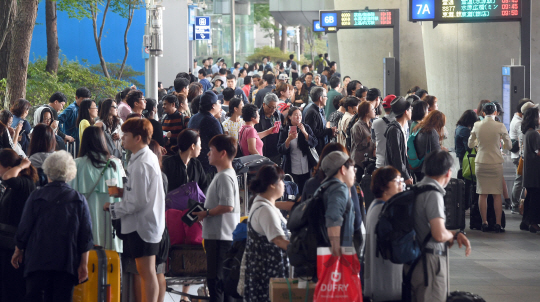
(131, 11)
(9, 20)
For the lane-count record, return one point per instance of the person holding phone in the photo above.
(251, 141)
(270, 118)
(295, 141)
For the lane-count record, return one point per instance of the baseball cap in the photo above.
(387, 101)
(332, 162)
(528, 105)
(283, 77)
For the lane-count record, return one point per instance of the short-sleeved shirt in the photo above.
(247, 132)
(429, 205)
(266, 220)
(124, 110)
(233, 127)
(223, 191)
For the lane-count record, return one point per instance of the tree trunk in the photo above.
(302, 37)
(131, 10)
(97, 38)
(6, 22)
(8, 8)
(52, 36)
(283, 38)
(20, 49)
(277, 40)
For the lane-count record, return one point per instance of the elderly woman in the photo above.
(55, 235)
(267, 236)
(382, 277)
(487, 135)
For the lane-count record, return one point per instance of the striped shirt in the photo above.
(175, 123)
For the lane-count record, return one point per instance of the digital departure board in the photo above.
(357, 18)
(456, 11)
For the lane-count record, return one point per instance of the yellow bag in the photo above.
(520, 167)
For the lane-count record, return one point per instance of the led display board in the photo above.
(357, 18)
(317, 26)
(461, 11)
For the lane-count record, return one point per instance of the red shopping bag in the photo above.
(339, 278)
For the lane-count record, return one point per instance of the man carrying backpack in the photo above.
(338, 167)
(396, 138)
(378, 128)
(429, 281)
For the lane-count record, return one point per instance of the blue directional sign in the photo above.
(202, 28)
(423, 9)
(317, 26)
(328, 19)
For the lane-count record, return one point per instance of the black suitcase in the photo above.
(454, 204)
(476, 218)
(250, 163)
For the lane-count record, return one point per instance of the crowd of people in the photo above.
(311, 123)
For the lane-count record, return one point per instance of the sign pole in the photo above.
(526, 44)
(395, 15)
(233, 33)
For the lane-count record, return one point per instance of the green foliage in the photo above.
(262, 17)
(275, 55)
(81, 9)
(71, 75)
(129, 75)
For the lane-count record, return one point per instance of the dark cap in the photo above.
(373, 94)
(209, 97)
(399, 106)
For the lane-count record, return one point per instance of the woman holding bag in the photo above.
(94, 166)
(268, 237)
(531, 166)
(296, 142)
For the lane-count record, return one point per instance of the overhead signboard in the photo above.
(317, 26)
(357, 18)
(202, 28)
(462, 11)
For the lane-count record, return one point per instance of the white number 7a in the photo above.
(426, 9)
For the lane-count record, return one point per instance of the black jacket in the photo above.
(303, 145)
(259, 98)
(270, 148)
(312, 117)
(396, 149)
(178, 174)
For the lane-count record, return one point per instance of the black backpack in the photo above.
(231, 267)
(348, 139)
(396, 236)
(308, 231)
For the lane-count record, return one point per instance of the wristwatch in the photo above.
(208, 213)
(457, 234)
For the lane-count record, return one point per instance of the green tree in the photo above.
(262, 17)
(91, 9)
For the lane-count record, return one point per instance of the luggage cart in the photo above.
(176, 276)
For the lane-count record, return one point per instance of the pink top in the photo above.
(244, 134)
(246, 89)
(124, 110)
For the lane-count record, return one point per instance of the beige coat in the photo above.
(487, 135)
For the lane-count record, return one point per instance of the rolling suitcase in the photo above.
(72, 149)
(103, 283)
(454, 204)
(475, 217)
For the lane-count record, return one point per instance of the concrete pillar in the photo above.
(361, 51)
(463, 64)
(535, 53)
(175, 41)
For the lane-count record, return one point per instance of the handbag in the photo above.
(313, 157)
(519, 170)
(111, 145)
(469, 171)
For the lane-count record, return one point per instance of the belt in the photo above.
(435, 252)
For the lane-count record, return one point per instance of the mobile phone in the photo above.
(21, 121)
(292, 129)
(21, 133)
(277, 125)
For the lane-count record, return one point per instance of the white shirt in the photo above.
(266, 220)
(299, 162)
(142, 208)
(515, 132)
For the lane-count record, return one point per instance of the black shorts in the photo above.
(136, 247)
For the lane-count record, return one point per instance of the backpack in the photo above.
(396, 236)
(320, 65)
(232, 263)
(308, 231)
(415, 163)
(348, 139)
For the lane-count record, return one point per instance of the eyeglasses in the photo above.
(115, 107)
(271, 107)
(398, 180)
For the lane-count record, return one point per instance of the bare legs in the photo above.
(497, 203)
(146, 266)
